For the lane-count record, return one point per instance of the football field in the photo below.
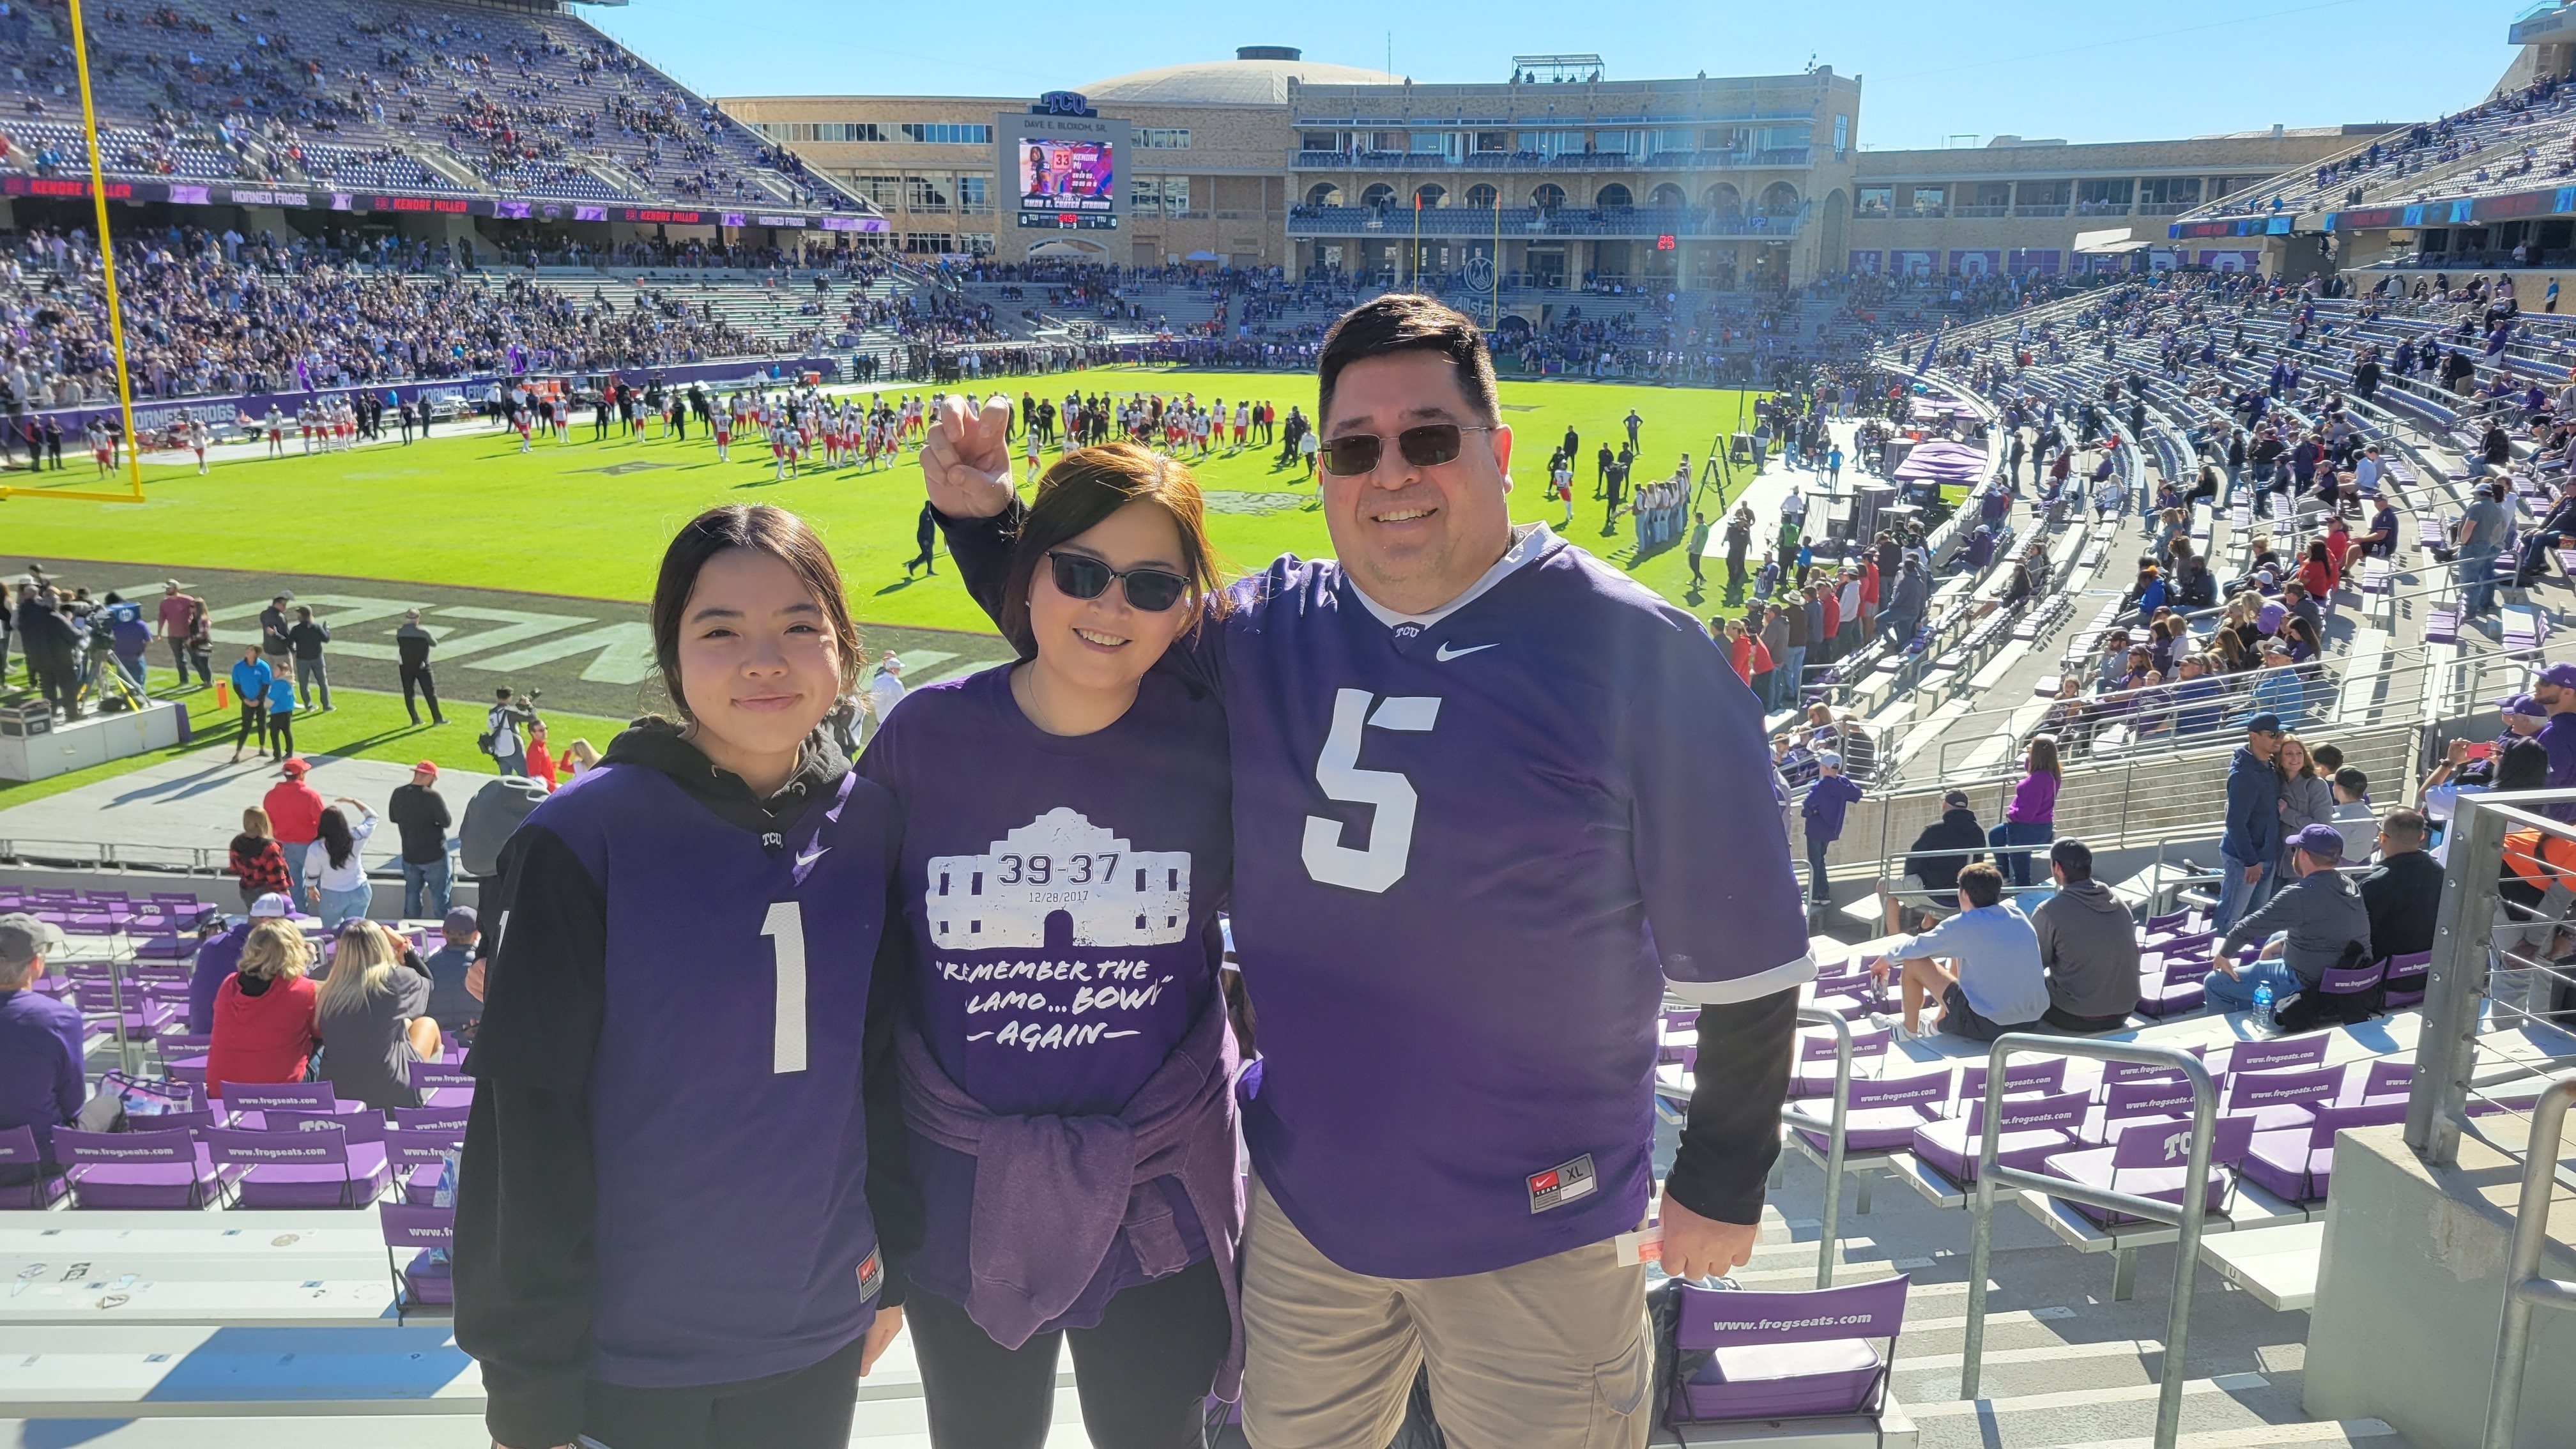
(588, 519)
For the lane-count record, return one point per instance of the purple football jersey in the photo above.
(733, 1227)
(1061, 893)
(1470, 857)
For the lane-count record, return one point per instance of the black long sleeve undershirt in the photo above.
(1732, 1134)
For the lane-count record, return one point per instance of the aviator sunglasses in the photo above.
(1353, 454)
(1080, 576)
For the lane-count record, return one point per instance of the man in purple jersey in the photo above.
(1492, 802)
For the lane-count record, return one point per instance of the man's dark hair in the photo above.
(1402, 322)
(503, 692)
(2352, 780)
(2073, 857)
(2404, 828)
(1982, 883)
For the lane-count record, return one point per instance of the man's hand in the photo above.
(881, 1332)
(2220, 960)
(966, 464)
(474, 980)
(1697, 1247)
(2253, 873)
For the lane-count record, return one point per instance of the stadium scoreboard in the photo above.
(1060, 159)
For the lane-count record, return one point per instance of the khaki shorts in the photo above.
(1550, 1353)
(1910, 892)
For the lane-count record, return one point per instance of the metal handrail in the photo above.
(2525, 1287)
(1828, 1231)
(2187, 1218)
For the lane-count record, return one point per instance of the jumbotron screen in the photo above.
(1064, 170)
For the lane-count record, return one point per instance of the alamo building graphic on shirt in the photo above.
(1115, 896)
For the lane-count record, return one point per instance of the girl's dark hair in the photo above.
(333, 831)
(1083, 488)
(762, 528)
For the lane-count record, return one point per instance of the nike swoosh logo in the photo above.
(1444, 653)
(805, 862)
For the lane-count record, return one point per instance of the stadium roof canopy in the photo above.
(1259, 81)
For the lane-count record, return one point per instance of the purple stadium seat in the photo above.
(416, 1155)
(1786, 1355)
(1813, 1076)
(147, 1170)
(2148, 1159)
(2039, 1076)
(2274, 1100)
(2034, 1129)
(240, 1097)
(2406, 978)
(24, 1183)
(2132, 1101)
(2277, 1054)
(2174, 989)
(304, 1160)
(421, 1231)
(1880, 1115)
(442, 1084)
(2115, 1073)
(2296, 1163)
(2384, 1080)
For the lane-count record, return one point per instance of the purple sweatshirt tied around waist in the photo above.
(2034, 799)
(1052, 1193)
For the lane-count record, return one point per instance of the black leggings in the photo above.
(1144, 1373)
(254, 726)
(281, 734)
(807, 1409)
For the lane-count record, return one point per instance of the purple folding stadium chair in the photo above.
(2034, 1129)
(2040, 1076)
(2161, 925)
(138, 1170)
(2132, 1101)
(1813, 1076)
(2173, 990)
(142, 1016)
(2384, 1080)
(2148, 1159)
(1879, 1117)
(240, 1097)
(417, 1153)
(2295, 1163)
(1786, 1355)
(2351, 995)
(442, 1084)
(2274, 1100)
(430, 1119)
(304, 1160)
(2278, 1054)
(2406, 976)
(24, 1182)
(426, 1233)
(2116, 1073)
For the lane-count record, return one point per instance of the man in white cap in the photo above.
(41, 1041)
(1826, 801)
(221, 954)
(885, 689)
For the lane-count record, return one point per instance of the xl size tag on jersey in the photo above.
(871, 1275)
(1564, 1183)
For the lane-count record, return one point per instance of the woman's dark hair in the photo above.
(333, 831)
(2317, 551)
(762, 528)
(1083, 488)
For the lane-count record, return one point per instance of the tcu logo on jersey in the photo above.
(1381, 863)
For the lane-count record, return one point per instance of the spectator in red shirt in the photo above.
(1868, 593)
(2317, 573)
(295, 814)
(177, 609)
(1832, 598)
(541, 761)
(257, 862)
(264, 1013)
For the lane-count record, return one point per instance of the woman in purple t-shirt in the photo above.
(1067, 1063)
(2031, 818)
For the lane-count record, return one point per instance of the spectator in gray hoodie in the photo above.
(2088, 945)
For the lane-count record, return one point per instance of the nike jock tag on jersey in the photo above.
(871, 1274)
(1564, 1183)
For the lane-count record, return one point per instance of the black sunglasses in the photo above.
(1353, 454)
(1081, 576)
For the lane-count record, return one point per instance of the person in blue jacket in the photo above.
(1826, 801)
(2252, 841)
(281, 715)
(250, 679)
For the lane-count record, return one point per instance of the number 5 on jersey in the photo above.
(1381, 863)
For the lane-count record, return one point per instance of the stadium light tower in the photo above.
(115, 314)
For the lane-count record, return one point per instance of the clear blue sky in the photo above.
(2087, 73)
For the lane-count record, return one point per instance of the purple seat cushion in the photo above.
(2170, 998)
(420, 1185)
(2092, 1167)
(1947, 1146)
(319, 1185)
(2278, 1163)
(1866, 1129)
(2278, 1117)
(37, 1193)
(1771, 1381)
(430, 1283)
(147, 1185)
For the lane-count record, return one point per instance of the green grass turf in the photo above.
(470, 510)
(367, 725)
